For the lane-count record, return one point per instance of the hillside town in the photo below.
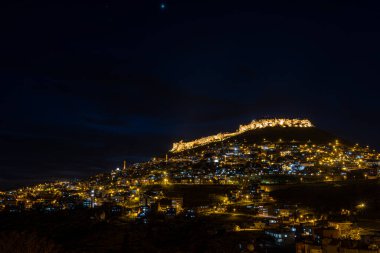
(233, 183)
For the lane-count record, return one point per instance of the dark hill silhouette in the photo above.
(300, 135)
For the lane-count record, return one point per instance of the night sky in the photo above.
(87, 84)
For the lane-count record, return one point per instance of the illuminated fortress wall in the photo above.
(255, 124)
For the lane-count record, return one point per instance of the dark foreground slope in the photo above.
(327, 197)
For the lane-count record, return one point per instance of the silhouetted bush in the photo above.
(25, 242)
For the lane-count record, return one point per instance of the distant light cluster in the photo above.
(255, 124)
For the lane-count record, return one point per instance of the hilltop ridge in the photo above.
(254, 126)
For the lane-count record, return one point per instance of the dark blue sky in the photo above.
(85, 85)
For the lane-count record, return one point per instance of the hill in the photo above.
(291, 133)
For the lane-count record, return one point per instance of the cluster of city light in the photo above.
(328, 162)
(310, 161)
(131, 187)
(336, 154)
(255, 124)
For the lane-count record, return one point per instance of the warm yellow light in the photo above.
(255, 124)
(361, 205)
